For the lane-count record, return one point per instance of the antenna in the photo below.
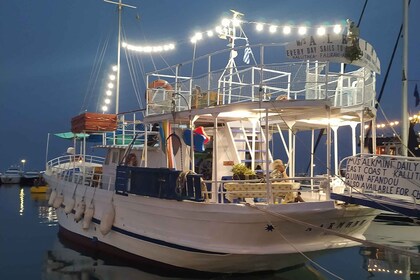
(120, 6)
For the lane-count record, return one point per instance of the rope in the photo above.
(333, 232)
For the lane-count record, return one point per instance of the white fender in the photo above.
(58, 200)
(69, 205)
(107, 219)
(80, 210)
(88, 216)
(52, 197)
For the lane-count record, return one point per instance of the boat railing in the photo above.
(188, 88)
(130, 126)
(257, 190)
(76, 168)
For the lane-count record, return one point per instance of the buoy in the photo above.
(52, 197)
(58, 200)
(107, 219)
(80, 210)
(69, 206)
(88, 216)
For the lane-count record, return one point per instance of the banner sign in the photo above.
(384, 175)
(336, 48)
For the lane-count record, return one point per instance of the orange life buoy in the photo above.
(160, 84)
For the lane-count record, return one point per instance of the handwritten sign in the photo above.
(332, 47)
(384, 175)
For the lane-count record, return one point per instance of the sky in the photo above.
(48, 50)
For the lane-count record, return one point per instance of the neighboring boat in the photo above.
(39, 189)
(148, 200)
(29, 177)
(12, 175)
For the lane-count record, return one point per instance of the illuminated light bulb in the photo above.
(366, 126)
(383, 125)
(114, 68)
(171, 46)
(219, 29)
(287, 30)
(108, 92)
(378, 126)
(410, 118)
(236, 22)
(225, 22)
(397, 122)
(259, 27)
(148, 49)
(272, 29)
(337, 29)
(198, 36)
(110, 85)
(112, 77)
(107, 101)
(124, 44)
(104, 108)
(302, 30)
(321, 31)
(210, 33)
(193, 40)
(165, 47)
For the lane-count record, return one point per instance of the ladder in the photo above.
(250, 144)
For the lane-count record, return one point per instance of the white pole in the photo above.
(404, 117)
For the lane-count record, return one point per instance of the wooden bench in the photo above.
(258, 190)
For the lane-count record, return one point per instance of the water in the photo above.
(30, 248)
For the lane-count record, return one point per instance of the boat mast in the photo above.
(404, 113)
(117, 91)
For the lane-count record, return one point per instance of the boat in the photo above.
(12, 175)
(29, 177)
(164, 194)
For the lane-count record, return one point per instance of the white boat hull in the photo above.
(226, 238)
(5, 179)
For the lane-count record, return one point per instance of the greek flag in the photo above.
(247, 53)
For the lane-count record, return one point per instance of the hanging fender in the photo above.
(80, 210)
(88, 216)
(107, 219)
(53, 194)
(69, 206)
(58, 200)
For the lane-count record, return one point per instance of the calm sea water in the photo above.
(30, 248)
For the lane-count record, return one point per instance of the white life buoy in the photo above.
(107, 219)
(52, 197)
(58, 201)
(80, 210)
(69, 206)
(88, 216)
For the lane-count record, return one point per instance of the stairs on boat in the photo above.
(250, 144)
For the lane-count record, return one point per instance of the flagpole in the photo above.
(404, 116)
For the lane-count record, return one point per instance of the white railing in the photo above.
(303, 80)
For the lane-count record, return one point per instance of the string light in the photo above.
(223, 29)
(149, 49)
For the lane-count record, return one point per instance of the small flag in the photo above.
(416, 95)
(247, 53)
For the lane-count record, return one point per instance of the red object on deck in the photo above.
(200, 130)
(94, 122)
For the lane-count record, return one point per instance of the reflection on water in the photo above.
(22, 201)
(381, 261)
(31, 237)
